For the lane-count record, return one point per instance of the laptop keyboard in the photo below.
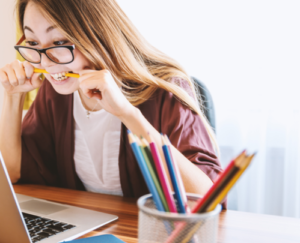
(41, 228)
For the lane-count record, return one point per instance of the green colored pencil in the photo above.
(153, 175)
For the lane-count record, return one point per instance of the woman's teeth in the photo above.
(59, 76)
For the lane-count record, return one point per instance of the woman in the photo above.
(74, 134)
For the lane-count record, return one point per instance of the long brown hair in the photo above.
(108, 39)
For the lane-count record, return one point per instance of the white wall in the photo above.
(8, 36)
(248, 55)
(230, 45)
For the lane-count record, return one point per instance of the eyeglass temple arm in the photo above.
(21, 40)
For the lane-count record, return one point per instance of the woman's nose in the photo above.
(45, 61)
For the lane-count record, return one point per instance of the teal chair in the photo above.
(205, 102)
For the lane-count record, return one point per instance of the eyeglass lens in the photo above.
(58, 55)
(30, 55)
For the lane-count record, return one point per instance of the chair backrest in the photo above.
(205, 102)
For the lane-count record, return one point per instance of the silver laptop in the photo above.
(26, 219)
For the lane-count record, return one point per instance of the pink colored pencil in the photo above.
(162, 176)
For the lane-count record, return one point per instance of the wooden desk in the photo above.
(234, 227)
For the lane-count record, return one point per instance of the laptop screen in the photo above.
(12, 225)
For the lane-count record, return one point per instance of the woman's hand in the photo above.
(18, 77)
(102, 86)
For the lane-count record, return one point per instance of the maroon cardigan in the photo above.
(48, 140)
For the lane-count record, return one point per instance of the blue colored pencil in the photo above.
(177, 173)
(175, 183)
(142, 164)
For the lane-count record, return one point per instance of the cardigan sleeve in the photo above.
(38, 151)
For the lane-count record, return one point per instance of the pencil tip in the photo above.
(163, 139)
(130, 137)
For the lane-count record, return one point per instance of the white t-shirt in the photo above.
(97, 144)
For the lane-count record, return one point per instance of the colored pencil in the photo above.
(152, 173)
(162, 175)
(178, 176)
(209, 196)
(73, 75)
(180, 202)
(155, 176)
(243, 166)
(150, 156)
(146, 174)
(191, 232)
(181, 187)
(230, 170)
(232, 182)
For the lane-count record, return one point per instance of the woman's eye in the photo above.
(58, 43)
(31, 43)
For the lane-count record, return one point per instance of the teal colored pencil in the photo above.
(145, 172)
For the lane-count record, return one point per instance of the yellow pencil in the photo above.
(244, 164)
(73, 75)
(191, 232)
(230, 184)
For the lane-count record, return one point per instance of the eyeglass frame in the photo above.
(41, 51)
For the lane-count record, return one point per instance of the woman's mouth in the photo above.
(59, 78)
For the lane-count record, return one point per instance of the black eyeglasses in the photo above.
(57, 54)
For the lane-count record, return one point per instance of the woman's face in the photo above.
(40, 33)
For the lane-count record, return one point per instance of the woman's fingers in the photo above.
(11, 74)
(95, 83)
(90, 83)
(85, 72)
(101, 85)
(19, 72)
(19, 77)
(36, 80)
(97, 78)
(29, 69)
(93, 93)
(5, 81)
(89, 87)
